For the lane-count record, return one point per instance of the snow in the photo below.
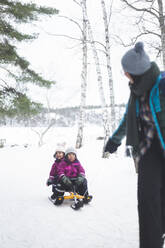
(29, 220)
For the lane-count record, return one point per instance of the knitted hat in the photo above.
(70, 150)
(59, 148)
(135, 61)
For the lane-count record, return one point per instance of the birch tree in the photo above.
(83, 43)
(83, 83)
(151, 21)
(162, 28)
(99, 75)
(109, 69)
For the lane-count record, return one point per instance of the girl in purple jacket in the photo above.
(72, 174)
(53, 175)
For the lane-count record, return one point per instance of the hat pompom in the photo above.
(139, 47)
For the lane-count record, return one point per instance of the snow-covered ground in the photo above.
(29, 220)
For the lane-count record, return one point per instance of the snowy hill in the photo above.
(29, 220)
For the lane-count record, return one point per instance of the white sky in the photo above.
(59, 58)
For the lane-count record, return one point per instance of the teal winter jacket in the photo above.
(157, 106)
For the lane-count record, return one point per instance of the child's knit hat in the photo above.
(71, 150)
(59, 148)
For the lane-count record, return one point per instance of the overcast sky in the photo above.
(59, 58)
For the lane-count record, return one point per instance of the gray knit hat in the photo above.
(135, 61)
(70, 150)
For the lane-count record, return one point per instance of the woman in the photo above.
(143, 125)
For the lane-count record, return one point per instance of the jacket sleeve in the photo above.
(81, 170)
(61, 169)
(52, 171)
(120, 132)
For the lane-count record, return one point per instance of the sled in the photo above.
(79, 200)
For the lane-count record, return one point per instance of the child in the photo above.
(53, 176)
(72, 174)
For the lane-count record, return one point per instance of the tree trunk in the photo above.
(42, 133)
(162, 29)
(99, 75)
(79, 141)
(109, 69)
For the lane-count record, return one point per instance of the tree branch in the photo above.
(12, 74)
(4, 83)
(71, 20)
(64, 35)
(121, 42)
(110, 13)
(134, 39)
(142, 9)
(77, 2)
(151, 32)
(73, 38)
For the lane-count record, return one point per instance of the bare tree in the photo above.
(151, 21)
(83, 83)
(83, 43)
(87, 37)
(99, 75)
(42, 133)
(109, 69)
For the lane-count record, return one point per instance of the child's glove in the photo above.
(66, 181)
(49, 181)
(111, 147)
(80, 180)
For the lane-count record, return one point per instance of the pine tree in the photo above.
(17, 68)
